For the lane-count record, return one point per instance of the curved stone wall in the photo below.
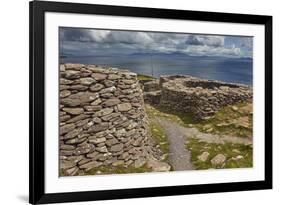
(198, 96)
(102, 119)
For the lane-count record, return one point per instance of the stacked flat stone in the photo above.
(203, 98)
(102, 119)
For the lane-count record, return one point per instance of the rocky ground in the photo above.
(106, 128)
(223, 141)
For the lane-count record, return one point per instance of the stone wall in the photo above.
(102, 119)
(152, 85)
(197, 96)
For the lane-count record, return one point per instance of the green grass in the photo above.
(159, 136)
(183, 119)
(230, 150)
(113, 170)
(145, 77)
(225, 122)
(225, 117)
(157, 132)
(117, 170)
(61, 173)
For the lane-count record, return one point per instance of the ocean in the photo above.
(234, 70)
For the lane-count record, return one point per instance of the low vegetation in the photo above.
(236, 155)
(183, 119)
(159, 136)
(234, 120)
(145, 77)
(117, 170)
(157, 132)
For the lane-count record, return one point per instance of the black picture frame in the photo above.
(37, 9)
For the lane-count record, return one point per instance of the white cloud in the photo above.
(131, 42)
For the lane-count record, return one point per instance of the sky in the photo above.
(94, 42)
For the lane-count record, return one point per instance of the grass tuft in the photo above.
(157, 132)
(145, 77)
(117, 170)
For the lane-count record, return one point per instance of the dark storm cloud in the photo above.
(70, 34)
(99, 42)
(215, 41)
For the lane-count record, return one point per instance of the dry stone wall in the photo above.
(198, 96)
(102, 119)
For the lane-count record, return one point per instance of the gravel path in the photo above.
(179, 156)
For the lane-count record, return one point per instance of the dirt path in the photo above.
(179, 156)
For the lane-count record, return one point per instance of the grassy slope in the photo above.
(231, 120)
(230, 150)
(114, 170)
(145, 77)
(157, 131)
(117, 170)
(227, 119)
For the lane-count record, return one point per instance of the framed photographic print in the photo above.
(140, 102)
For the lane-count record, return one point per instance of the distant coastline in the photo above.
(232, 70)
